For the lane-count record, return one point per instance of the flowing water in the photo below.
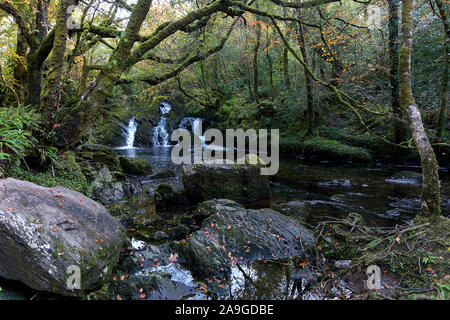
(160, 133)
(309, 191)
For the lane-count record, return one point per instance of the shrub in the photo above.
(64, 175)
(15, 132)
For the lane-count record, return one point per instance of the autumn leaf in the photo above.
(173, 257)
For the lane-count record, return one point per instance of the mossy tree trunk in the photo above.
(308, 81)
(255, 62)
(444, 77)
(51, 92)
(400, 131)
(430, 208)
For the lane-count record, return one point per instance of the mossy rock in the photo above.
(242, 183)
(332, 149)
(165, 174)
(135, 166)
(166, 195)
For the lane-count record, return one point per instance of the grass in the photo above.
(64, 174)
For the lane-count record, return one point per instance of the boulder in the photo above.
(233, 234)
(165, 174)
(242, 183)
(100, 154)
(144, 132)
(166, 195)
(406, 177)
(148, 274)
(135, 166)
(43, 231)
(106, 188)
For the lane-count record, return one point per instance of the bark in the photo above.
(308, 81)
(19, 66)
(255, 63)
(270, 63)
(430, 208)
(51, 93)
(399, 125)
(287, 79)
(444, 77)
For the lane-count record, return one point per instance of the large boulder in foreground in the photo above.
(242, 183)
(135, 166)
(232, 234)
(43, 231)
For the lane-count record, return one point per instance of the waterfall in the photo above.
(194, 125)
(129, 133)
(160, 134)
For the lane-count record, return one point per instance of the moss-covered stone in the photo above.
(332, 149)
(135, 166)
(165, 174)
(242, 183)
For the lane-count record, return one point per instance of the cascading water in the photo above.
(129, 133)
(160, 134)
(194, 125)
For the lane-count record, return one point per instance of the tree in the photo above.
(430, 208)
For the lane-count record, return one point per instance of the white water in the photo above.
(195, 124)
(129, 132)
(160, 134)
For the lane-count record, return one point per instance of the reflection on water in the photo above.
(331, 189)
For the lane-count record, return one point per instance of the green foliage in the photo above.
(16, 137)
(64, 174)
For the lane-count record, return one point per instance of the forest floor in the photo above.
(414, 258)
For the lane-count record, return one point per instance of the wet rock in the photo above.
(242, 183)
(106, 188)
(133, 186)
(98, 153)
(165, 174)
(135, 166)
(144, 132)
(43, 231)
(298, 209)
(342, 264)
(166, 195)
(180, 232)
(160, 235)
(406, 177)
(344, 183)
(232, 234)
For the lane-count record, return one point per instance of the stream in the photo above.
(309, 192)
(306, 191)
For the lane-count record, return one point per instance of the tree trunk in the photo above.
(51, 93)
(255, 62)
(444, 77)
(399, 125)
(308, 80)
(430, 208)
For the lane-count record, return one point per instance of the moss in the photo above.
(135, 166)
(65, 174)
(322, 147)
